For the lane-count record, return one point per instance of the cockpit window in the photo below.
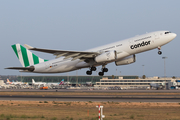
(167, 32)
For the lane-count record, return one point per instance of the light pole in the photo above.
(116, 73)
(67, 79)
(164, 66)
(143, 69)
(76, 78)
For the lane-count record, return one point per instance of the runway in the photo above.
(122, 98)
(157, 96)
(90, 91)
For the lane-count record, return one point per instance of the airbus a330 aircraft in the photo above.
(121, 52)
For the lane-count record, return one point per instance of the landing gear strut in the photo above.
(103, 70)
(159, 52)
(89, 72)
(93, 68)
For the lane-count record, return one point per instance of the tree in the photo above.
(144, 77)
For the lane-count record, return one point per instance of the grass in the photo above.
(23, 116)
(132, 117)
(29, 110)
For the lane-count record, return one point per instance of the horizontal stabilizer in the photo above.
(31, 68)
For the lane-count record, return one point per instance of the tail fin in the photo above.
(8, 81)
(62, 82)
(33, 81)
(26, 57)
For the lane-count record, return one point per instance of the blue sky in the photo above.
(80, 25)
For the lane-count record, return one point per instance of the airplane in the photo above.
(121, 52)
(54, 84)
(38, 83)
(155, 85)
(62, 82)
(8, 82)
(18, 83)
(89, 83)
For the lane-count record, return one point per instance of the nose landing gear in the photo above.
(159, 52)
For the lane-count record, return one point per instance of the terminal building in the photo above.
(71, 79)
(135, 83)
(104, 81)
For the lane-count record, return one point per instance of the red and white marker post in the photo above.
(100, 110)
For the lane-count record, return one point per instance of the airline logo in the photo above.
(8, 81)
(140, 44)
(62, 82)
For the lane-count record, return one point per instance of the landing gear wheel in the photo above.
(101, 73)
(105, 70)
(93, 68)
(89, 72)
(159, 52)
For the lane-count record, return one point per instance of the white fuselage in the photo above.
(123, 48)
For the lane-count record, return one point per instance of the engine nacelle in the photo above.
(105, 57)
(126, 60)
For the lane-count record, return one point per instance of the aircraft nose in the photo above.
(174, 35)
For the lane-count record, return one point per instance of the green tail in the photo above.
(26, 57)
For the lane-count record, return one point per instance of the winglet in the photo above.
(28, 46)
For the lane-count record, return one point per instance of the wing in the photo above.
(67, 54)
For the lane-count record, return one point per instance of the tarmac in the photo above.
(95, 98)
(95, 91)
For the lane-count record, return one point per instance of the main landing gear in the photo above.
(89, 72)
(103, 70)
(159, 52)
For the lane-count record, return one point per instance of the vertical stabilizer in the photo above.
(62, 82)
(33, 81)
(26, 57)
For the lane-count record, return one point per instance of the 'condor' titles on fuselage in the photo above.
(140, 44)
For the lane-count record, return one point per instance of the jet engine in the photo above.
(126, 60)
(105, 57)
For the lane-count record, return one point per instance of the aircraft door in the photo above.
(131, 42)
(155, 39)
(156, 36)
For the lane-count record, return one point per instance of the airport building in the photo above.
(134, 83)
(104, 81)
(71, 79)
